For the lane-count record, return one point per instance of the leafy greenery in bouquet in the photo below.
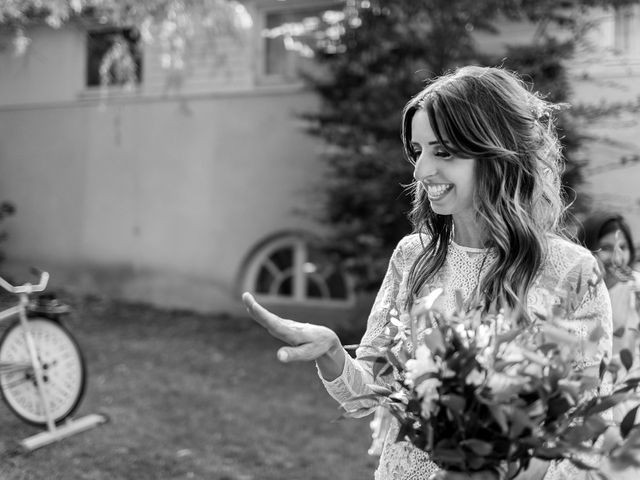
(478, 391)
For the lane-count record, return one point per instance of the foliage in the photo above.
(587, 114)
(119, 12)
(542, 64)
(172, 23)
(371, 59)
(476, 393)
(380, 59)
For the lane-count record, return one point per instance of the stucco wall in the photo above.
(52, 69)
(156, 193)
(162, 195)
(151, 195)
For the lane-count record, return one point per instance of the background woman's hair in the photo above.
(489, 114)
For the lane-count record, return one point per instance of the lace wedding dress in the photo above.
(566, 265)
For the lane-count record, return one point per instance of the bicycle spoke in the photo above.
(7, 368)
(16, 383)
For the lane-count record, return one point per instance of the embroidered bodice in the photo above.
(565, 266)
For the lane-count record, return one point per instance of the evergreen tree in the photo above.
(542, 65)
(384, 55)
(387, 56)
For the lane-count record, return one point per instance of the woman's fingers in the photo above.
(286, 330)
(260, 314)
(302, 353)
(264, 317)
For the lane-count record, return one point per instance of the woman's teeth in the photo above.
(434, 192)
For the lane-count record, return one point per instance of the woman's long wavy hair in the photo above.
(490, 115)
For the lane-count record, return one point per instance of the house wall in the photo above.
(52, 70)
(150, 195)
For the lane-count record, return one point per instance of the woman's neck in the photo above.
(467, 234)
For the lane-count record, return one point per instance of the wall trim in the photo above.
(94, 98)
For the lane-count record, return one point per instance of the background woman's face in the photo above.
(448, 180)
(613, 250)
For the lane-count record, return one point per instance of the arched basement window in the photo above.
(289, 269)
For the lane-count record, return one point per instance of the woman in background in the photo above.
(608, 236)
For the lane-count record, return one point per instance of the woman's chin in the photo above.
(439, 209)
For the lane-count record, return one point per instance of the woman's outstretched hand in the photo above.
(306, 341)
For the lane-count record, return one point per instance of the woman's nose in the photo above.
(424, 168)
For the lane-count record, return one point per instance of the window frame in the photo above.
(290, 76)
(93, 28)
(301, 243)
(625, 19)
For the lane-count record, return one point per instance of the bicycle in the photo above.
(42, 369)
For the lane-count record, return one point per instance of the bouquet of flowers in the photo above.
(477, 393)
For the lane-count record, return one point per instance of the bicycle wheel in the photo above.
(63, 368)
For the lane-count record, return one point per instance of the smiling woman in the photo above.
(486, 213)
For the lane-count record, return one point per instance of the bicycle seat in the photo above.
(48, 304)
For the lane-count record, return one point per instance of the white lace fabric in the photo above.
(566, 266)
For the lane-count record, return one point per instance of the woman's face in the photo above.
(448, 180)
(613, 250)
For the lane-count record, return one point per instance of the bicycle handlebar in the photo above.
(27, 287)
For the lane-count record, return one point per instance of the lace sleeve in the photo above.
(358, 373)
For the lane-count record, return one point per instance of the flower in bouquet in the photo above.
(479, 391)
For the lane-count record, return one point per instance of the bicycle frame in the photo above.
(10, 312)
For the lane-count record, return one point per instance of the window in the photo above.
(625, 37)
(290, 269)
(613, 32)
(288, 36)
(114, 54)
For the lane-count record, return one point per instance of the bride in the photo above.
(486, 216)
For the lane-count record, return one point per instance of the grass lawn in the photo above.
(191, 396)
